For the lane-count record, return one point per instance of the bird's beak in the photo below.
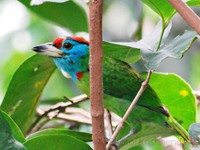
(48, 49)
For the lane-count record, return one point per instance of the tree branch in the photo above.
(96, 80)
(197, 95)
(59, 107)
(187, 13)
(108, 118)
(120, 125)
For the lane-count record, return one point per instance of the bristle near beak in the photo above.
(48, 49)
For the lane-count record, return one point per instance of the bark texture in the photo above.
(96, 79)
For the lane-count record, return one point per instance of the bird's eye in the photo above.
(67, 45)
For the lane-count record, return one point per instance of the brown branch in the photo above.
(109, 122)
(108, 119)
(197, 95)
(187, 13)
(71, 115)
(96, 81)
(59, 107)
(120, 125)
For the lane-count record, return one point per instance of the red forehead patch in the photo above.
(58, 42)
(80, 39)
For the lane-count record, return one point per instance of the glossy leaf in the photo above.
(68, 14)
(151, 132)
(56, 142)
(193, 2)
(8, 142)
(25, 89)
(165, 10)
(162, 8)
(16, 132)
(150, 145)
(176, 48)
(121, 52)
(177, 97)
(86, 137)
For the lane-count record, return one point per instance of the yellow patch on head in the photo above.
(184, 93)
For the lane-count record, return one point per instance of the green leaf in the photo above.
(56, 142)
(165, 10)
(25, 89)
(162, 8)
(150, 145)
(177, 97)
(68, 14)
(176, 49)
(151, 132)
(121, 52)
(63, 86)
(194, 70)
(86, 137)
(8, 142)
(193, 2)
(16, 132)
(194, 132)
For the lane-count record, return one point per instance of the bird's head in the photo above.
(70, 54)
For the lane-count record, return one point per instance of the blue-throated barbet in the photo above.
(120, 80)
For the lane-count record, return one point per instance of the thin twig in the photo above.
(197, 95)
(75, 115)
(187, 13)
(108, 119)
(48, 119)
(109, 122)
(96, 78)
(131, 132)
(42, 124)
(60, 107)
(119, 127)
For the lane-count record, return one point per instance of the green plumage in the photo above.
(121, 83)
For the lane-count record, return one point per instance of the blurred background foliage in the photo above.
(20, 30)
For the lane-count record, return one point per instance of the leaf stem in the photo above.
(161, 35)
(187, 13)
(120, 125)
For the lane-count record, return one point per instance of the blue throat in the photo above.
(76, 60)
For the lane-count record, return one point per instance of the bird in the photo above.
(120, 81)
